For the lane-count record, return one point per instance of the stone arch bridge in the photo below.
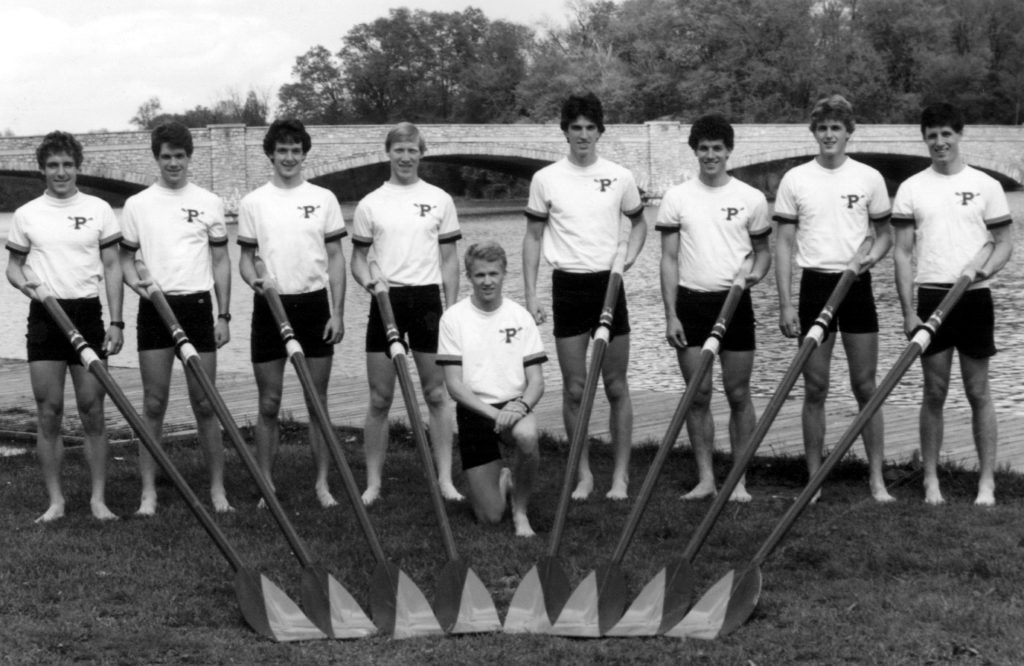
(229, 159)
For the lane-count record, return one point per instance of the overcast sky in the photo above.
(88, 64)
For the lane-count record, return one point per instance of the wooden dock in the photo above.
(652, 412)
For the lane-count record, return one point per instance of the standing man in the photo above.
(179, 229)
(296, 228)
(412, 228)
(948, 212)
(708, 227)
(490, 350)
(69, 239)
(825, 208)
(574, 215)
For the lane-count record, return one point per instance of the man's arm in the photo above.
(637, 237)
(883, 241)
(247, 268)
(902, 258)
(220, 261)
(1003, 238)
(531, 265)
(361, 266)
(789, 321)
(113, 284)
(762, 259)
(335, 329)
(670, 288)
(16, 273)
(462, 395)
(129, 274)
(450, 273)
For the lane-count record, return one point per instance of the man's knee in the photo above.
(863, 388)
(616, 388)
(435, 395)
(489, 514)
(154, 404)
(269, 404)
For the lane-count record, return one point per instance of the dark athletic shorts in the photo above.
(307, 313)
(478, 443)
(576, 302)
(856, 314)
(193, 311)
(47, 342)
(698, 311)
(969, 326)
(418, 313)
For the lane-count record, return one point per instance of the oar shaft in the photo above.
(917, 345)
(190, 357)
(319, 413)
(120, 400)
(581, 428)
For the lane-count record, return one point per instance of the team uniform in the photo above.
(494, 350)
(173, 230)
(952, 217)
(290, 227)
(61, 241)
(405, 225)
(715, 226)
(834, 209)
(582, 209)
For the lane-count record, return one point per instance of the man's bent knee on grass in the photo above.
(491, 353)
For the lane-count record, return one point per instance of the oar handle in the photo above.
(319, 410)
(708, 353)
(812, 341)
(193, 364)
(917, 345)
(399, 359)
(92, 361)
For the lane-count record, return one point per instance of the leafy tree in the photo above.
(318, 97)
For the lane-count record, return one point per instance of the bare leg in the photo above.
(816, 383)
(736, 369)
(155, 368)
(320, 368)
(485, 492)
(269, 380)
(208, 429)
(983, 424)
(527, 460)
(381, 375)
(441, 419)
(572, 361)
(936, 370)
(700, 426)
(616, 363)
(47, 379)
(89, 396)
(862, 355)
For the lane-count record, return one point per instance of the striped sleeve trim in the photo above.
(110, 240)
(636, 212)
(16, 249)
(1001, 221)
(881, 217)
(449, 237)
(762, 234)
(534, 216)
(337, 235)
(362, 241)
(127, 244)
(219, 241)
(784, 219)
(667, 228)
(245, 241)
(901, 220)
(448, 359)
(534, 359)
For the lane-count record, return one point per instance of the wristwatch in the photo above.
(226, 316)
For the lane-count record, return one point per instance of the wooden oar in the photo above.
(326, 601)
(267, 609)
(664, 601)
(397, 605)
(597, 604)
(544, 590)
(461, 602)
(729, 602)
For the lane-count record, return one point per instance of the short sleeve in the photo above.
(110, 228)
(631, 204)
(878, 207)
(903, 204)
(997, 209)
(247, 223)
(217, 229)
(449, 349)
(533, 346)
(334, 221)
(449, 231)
(538, 205)
(759, 224)
(129, 226)
(362, 225)
(785, 202)
(669, 218)
(17, 239)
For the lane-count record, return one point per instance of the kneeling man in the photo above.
(490, 350)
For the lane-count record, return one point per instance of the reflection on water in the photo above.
(653, 363)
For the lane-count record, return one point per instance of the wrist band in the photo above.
(119, 324)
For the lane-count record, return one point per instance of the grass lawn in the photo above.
(854, 582)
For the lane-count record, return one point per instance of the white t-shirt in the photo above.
(833, 209)
(173, 231)
(583, 209)
(952, 216)
(62, 239)
(715, 225)
(493, 348)
(404, 225)
(291, 227)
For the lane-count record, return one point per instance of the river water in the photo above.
(653, 364)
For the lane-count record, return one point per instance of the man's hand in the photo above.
(674, 333)
(509, 415)
(789, 322)
(334, 331)
(113, 340)
(534, 307)
(910, 324)
(221, 332)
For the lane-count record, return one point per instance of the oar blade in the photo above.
(399, 608)
(595, 605)
(329, 604)
(543, 584)
(463, 604)
(270, 612)
(644, 616)
(706, 617)
(679, 589)
(743, 601)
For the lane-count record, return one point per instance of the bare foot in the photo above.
(100, 511)
(986, 495)
(449, 492)
(55, 512)
(702, 491)
(326, 499)
(522, 523)
(147, 507)
(817, 496)
(740, 494)
(220, 503)
(619, 490)
(932, 494)
(371, 495)
(584, 487)
(881, 495)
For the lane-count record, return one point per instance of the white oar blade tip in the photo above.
(579, 615)
(526, 612)
(644, 615)
(413, 614)
(347, 619)
(286, 621)
(477, 613)
(705, 619)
